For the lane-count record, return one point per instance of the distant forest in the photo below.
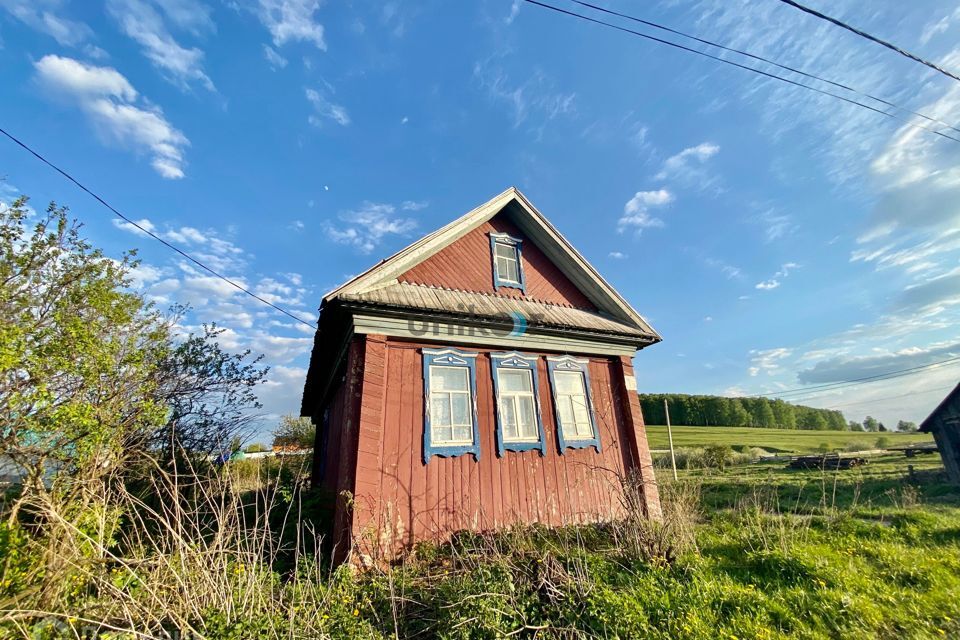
(702, 411)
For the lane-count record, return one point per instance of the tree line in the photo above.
(767, 413)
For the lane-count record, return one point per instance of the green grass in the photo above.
(774, 440)
(868, 553)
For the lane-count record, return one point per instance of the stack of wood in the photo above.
(827, 461)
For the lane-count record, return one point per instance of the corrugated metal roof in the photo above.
(426, 298)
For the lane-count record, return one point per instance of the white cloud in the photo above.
(206, 246)
(276, 60)
(106, 98)
(366, 227)
(617, 255)
(297, 225)
(82, 80)
(730, 271)
(514, 12)
(775, 224)
(323, 109)
(187, 235)
(143, 223)
(687, 165)
(142, 22)
(190, 15)
(843, 368)
(534, 100)
(938, 27)
(44, 16)
(414, 205)
(636, 213)
(768, 361)
(292, 21)
(781, 273)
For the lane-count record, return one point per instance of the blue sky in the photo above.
(775, 237)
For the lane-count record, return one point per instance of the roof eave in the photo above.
(639, 340)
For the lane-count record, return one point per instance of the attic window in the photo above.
(507, 262)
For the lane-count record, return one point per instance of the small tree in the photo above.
(882, 427)
(717, 456)
(870, 424)
(295, 432)
(855, 426)
(882, 442)
(907, 427)
(79, 354)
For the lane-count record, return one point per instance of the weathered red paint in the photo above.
(398, 500)
(466, 265)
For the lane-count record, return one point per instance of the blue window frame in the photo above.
(573, 407)
(515, 387)
(506, 254)
(450, 404)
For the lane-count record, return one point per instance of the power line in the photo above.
(760, 58)
(167, 244)
(884, 399)
(864, 34)
(843, 384)
(738, 65)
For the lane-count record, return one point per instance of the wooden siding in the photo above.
(399, 500)
(466, 265)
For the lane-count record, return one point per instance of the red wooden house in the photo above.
(480, 377)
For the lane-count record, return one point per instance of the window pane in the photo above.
(507, 270)
(528, 421)
(439, 409)
(441, 435)
(566, 411)
(569, 382)
(509, 417)
(505, 251)
(460, 403)
(511, 273)
(448, 378)
(514, 380)
(463, 433)
(580, 413)
(508, 412)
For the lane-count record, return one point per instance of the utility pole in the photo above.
(673, 459)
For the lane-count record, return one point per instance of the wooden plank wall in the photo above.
(466, 265)
(400, 501)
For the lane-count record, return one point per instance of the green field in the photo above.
(774, 440)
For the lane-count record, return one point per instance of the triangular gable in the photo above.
(466, 265)
(532, 224)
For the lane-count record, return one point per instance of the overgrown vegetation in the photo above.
(122, 527)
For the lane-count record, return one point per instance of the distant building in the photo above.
(479, 378)
(944, 424)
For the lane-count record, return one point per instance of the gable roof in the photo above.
(949, 405)
(536, 227)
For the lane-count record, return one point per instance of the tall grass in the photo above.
(231, 553)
